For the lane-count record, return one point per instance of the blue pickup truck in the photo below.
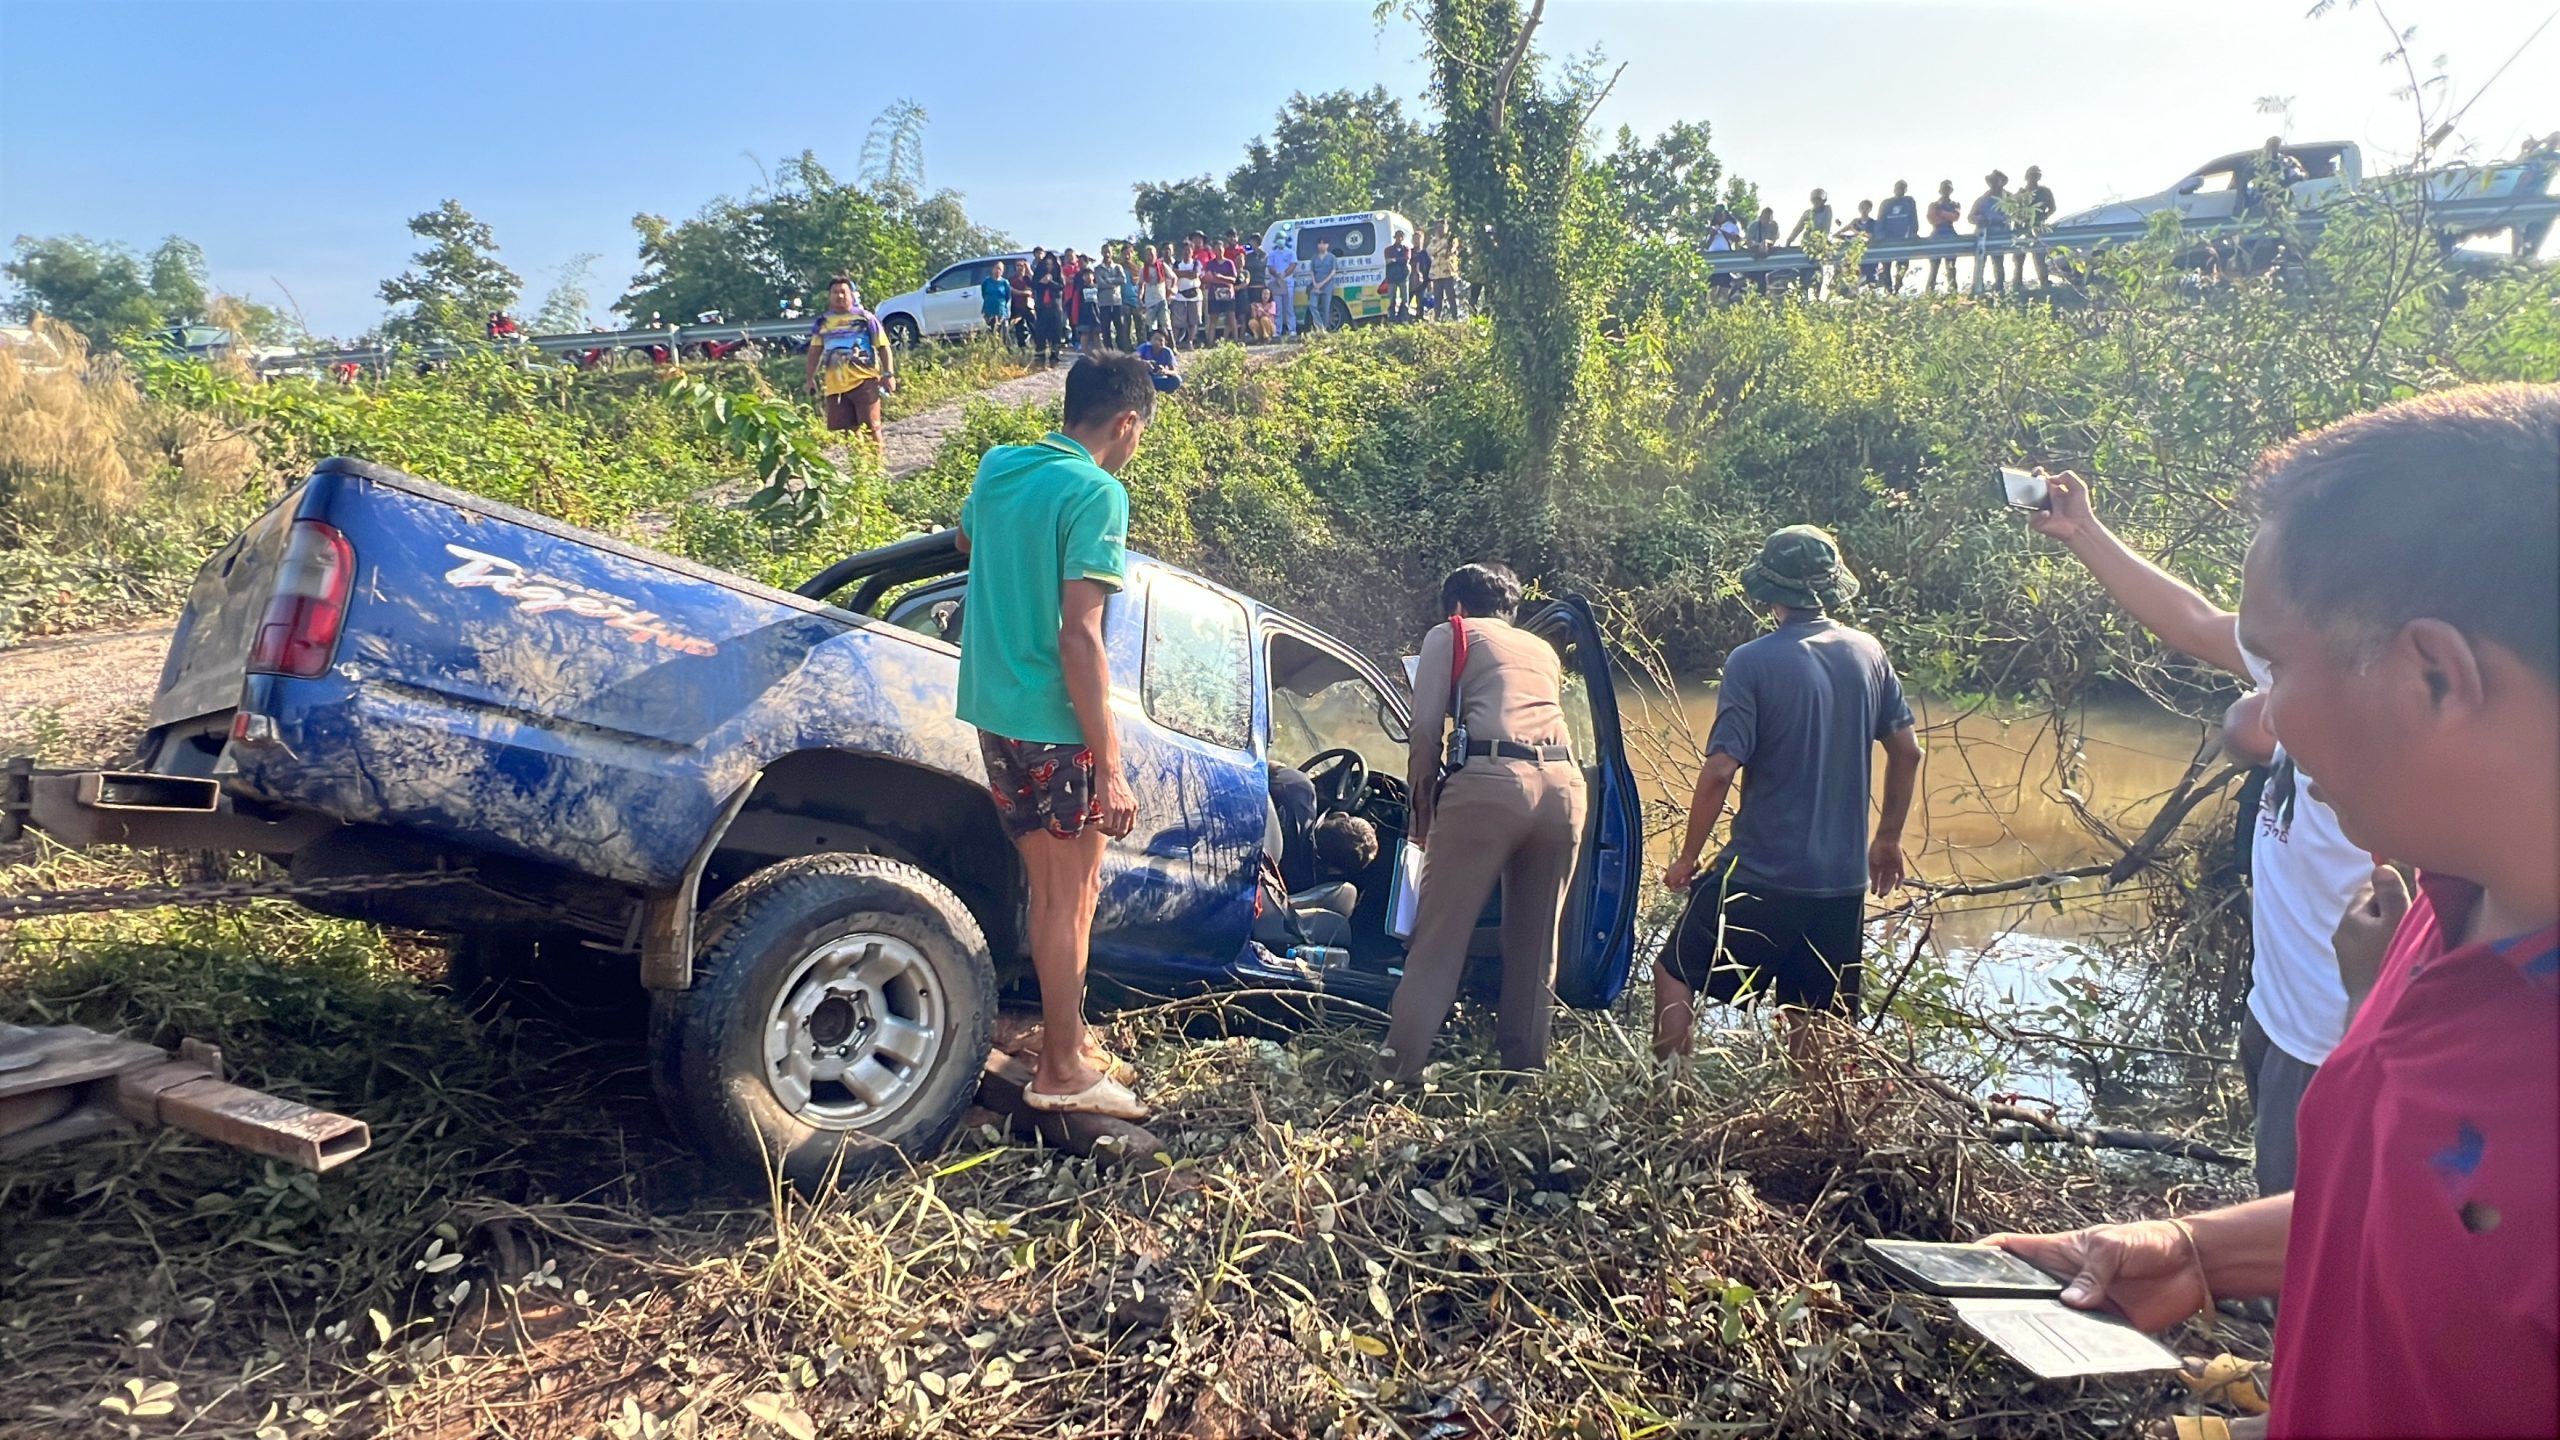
(580, 758)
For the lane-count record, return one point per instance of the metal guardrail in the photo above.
(2458, 216)
(570, 343)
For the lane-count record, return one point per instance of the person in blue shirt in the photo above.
(1899, 219)
(1166, 366)
(1320, 290)
(995, 299)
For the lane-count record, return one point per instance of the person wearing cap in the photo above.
(1506, 806)
(1990, 218)
(1782, 905)
(850, 364)
(2037, 199)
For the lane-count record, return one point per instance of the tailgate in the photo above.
(465, 603)
(210, 651)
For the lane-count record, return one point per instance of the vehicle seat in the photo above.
(1323, 913)
(1323, 909)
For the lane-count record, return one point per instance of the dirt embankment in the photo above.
(909, 445)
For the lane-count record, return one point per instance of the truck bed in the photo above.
(513, 685)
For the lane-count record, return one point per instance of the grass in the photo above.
(526, 1252)
(108, 499)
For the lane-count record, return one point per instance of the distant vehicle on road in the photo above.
(944, 306)
(1359, 243)
(2318, 175)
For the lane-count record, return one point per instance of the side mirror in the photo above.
(1412, 669)
(2191, 185)
(1393, 724)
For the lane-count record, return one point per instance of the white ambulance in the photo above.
(1360, 241)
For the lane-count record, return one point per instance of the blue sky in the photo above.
(292, 139)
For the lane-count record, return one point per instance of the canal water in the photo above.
(2002, 794)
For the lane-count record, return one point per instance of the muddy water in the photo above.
(1995, 799)
(1992, 806)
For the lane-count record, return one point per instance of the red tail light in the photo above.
(301, 625)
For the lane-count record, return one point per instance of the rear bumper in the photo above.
(84, 808)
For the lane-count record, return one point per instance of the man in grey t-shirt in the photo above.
(1783, 904)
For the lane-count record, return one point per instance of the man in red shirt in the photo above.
(2405, 591)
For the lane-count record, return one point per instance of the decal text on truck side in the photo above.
(535, 593)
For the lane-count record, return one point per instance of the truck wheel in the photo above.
(841, 1007)
(902, 331)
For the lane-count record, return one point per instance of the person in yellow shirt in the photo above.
(850, 362)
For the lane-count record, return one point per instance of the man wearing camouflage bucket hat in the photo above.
(1782, 905)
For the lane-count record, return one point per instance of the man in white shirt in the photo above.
(2304, 872)
(1282, 258)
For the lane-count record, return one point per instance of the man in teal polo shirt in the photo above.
(1046, 528)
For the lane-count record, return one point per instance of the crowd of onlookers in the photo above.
(1999, 217)
(1200, 290)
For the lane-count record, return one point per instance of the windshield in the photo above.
(1319, 703)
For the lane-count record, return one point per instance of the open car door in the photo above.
(1597, 949)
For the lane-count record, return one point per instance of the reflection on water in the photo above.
(1998, 799)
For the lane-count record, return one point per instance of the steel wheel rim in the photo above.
(853, 1032)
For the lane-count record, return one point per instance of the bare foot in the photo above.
(1066, 1079)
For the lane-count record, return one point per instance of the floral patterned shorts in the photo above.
(1041, 786)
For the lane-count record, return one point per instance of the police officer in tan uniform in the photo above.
(1510, 811)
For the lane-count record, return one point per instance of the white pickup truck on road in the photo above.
(2318, 175)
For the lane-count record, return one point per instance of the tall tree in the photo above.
(893, 149)
(1169, 210)
(1513, 149)
(454, 283)
(178, 282)
(92, 286)
(1668, 188)
(893, 169)
(1336, 152)
(746, 257)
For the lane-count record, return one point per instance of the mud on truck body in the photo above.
(615, 770)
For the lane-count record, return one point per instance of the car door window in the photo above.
(1319, 702)
(1198, 677)
(960, 277)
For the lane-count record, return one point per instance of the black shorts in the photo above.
(857, 407)
(1809, 948)
(1040, 786)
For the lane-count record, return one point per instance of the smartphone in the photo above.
(1969, 1270)
(2025, 489)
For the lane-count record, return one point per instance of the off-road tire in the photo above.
(707, 1042)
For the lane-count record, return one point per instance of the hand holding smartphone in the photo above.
(2025, 489)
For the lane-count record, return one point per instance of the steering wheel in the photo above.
(1339, 775)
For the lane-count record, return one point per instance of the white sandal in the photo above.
(1105, 1096)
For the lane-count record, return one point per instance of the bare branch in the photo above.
(1511, 67)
